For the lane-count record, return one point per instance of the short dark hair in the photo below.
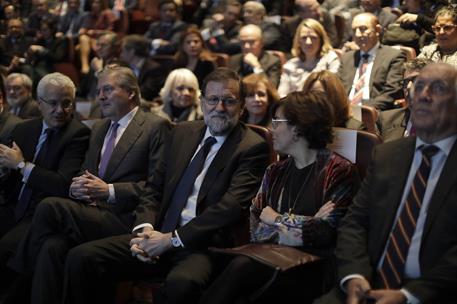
(223, 75)
(163, 2)
(311, 115)
(138, 43)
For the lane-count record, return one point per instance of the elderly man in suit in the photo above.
(396, 123)
(19, 96)
(373, 74)
(400, 246)
(203, 186)
(253, 58)
(44, 155)
(124, 148)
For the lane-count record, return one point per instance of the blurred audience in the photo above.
(19, 96)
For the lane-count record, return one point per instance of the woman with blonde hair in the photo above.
(259, 96)
(180, 96)
(312, 52)
(328, 83)
(194, 55)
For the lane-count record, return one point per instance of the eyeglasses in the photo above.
(227, 101)
(447, 28)
(65, 104)
(407, 80)
(275, 122)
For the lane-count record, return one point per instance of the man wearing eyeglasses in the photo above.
(445, 29)
(396, 123)
(201, 189)
(105, 196)
(43, 156)
(373, 74)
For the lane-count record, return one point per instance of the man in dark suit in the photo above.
(396, 123)
(14, 46)
(8, 121)
(384, 14)
(192, 209)
(19, 96)
(43, 157)
(70, 23)
(123, 150)
(373, 74)
(253, 59)
(400, 246)
(165, 34)
(151, 76)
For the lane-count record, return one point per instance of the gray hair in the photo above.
(125, 78)
(58, 80)
(26, 80)
(258, 7)
(176, 77)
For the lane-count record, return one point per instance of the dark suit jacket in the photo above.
(65, 22)
(392, 124)
(29, 110)
(365, 229)
(133, 158)
(62, 163)
(10, 48)
(172, 34)
(385, 79)
(8, 122)
(270, 64)
(231, 181)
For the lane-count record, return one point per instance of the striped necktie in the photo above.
(393, 266)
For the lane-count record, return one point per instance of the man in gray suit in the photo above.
(373, 74)
(123, 151)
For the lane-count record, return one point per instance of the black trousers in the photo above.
(92, 267)
(245, 280)
(57, 226)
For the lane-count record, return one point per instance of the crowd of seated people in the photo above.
(159, 177)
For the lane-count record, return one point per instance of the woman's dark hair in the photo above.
(311, 115)
(335, 92)
(181, 56)
(249, 87)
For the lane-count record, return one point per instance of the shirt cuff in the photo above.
(347, 278)
(141, 226)
(26, 171)
(410, 299)
(112, 196)
(258, 70)
(179, 239)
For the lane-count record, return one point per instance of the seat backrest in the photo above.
(364, 144)
(369, 118)
(409, 51)
(281, 55)
(266, 134)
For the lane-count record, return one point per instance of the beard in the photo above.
(16, 101)
(220, 123)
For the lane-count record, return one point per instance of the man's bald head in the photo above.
(251, 39)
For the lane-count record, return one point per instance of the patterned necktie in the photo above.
(108, 150)
(393, 266)
(25, 195)
(185, 186)
(358, 89)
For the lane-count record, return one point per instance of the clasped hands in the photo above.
(269, 215)
(359, 291)
(89, 188)
(149, 244)
(10, 157)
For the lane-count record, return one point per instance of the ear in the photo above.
(378, 29)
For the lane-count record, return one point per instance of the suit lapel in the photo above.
(126, 142)
(28, 146)
(219, 162)
(446, 182)
(401, 163)
(355, 62)
(378, 61)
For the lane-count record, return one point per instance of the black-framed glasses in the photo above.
(407, 80)
(275, 122)
(227, 101)
(447, 28)
(65, 104)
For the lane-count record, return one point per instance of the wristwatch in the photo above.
(175, 241)
(21, 165)
(278, 220)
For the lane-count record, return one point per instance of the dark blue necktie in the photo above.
(185, 186)
(40, 160)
